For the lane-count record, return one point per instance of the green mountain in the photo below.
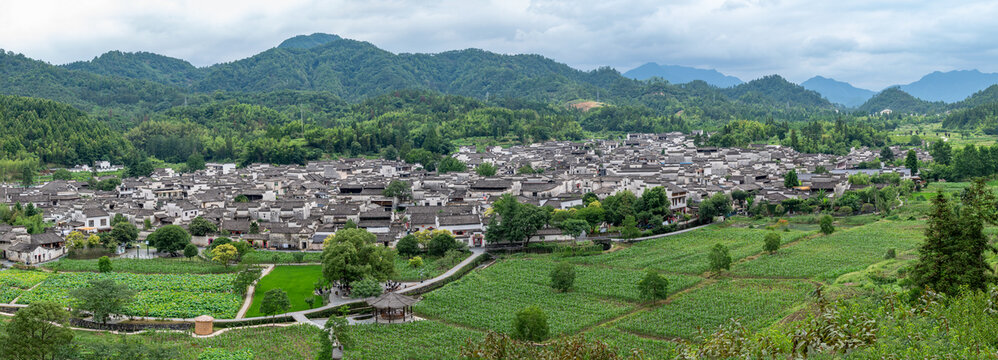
(983, 117)
(899, 101)
(774, 90)
(308, 41)
(55, 133)
(988, 95)
(140, 65)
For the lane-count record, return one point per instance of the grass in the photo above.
(432, 267)
(145, 266)
(297, 280)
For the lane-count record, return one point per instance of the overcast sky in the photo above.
(868, 43)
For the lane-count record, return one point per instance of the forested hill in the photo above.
(774, 90)
(55, 133)
(141, 65)
(901, 102)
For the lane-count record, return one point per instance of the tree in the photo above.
(790, 179)
(366, 287)
(169, 238)
(826, 224)
(102, 298)
(525, 169)
(416, 262)
(146, 224)
(740, 196)
(592, 214)
(190, 251)
(27, 175)
(441, 243)
(772, 242)
(299, 257)
(142, 168)
(450, 164)
(254, 228)
(350, 255)
(275, 301)
(224, 253)
(398, 189)
(515, 222)
(531, 324)
(76, 240)
(629, 228)
(719, 258)
(195, 162)
(911, 161)
(588, 198)
(485, 169)
(563, 277)
(653, 286)
(241, 198)
(201, 227)
(941, 152)
(36, 332)
(573, 227)
(124, 233)
(104, 264)
(886, 155)
(62, 174)
(953, 255)
(408, 246)
(717, 205)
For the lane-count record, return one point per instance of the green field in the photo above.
(297, 280)
(416, 340)
(431, 268)
(146, 266)
(278, 257)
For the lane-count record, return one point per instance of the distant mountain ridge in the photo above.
(838, 92)
(952, 86)
(682, 74)
(898, 100)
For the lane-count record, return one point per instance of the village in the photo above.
(297, 207)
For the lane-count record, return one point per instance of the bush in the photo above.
(844, 211)
(441, 243)
(891, 254)
(299, 257)
(416, 262)
(719, 258)
(531, 324)
(222, 354)
(772, 242)
(367, 287)
(826, 225)
(563, 277)
(868, 208)
(653, 286)
(104, 264)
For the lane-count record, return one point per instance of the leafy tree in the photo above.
(36, 332)
(941, 152)
(719, 258)
(224, 253)
(62, 174)
(142, 168)
(531, 324)
(740, 196)
(486, 169)
(190, 251)
(398, 189)
(408, 246)
(717, 205)
(275, 301)
(573, 227)
(254, 228)
(104, 264)
(441, 243)
(911, 161)
(364, 288)
(886, 155)
(653, 286)
(516, 222)
(201, 227)
(146, 224)
(299, 257)
(241, 198)
(592, 214)
(389, 153)
(195, 162)
(563, 277)
(820, 169)
(790, 179)
(772, 242)
(124, 233)
(450, 164)
(588, 198)
(244, 278)
(102, 298)
(169, 238)
(76, 240)
(826, 224)
(416, 262)
(630, 228)
(526, 170)
(350, 255)
(27, 175)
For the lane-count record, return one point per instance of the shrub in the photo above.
(416, 262)
(441, 243)
(104, 264)
(844, 211)
(408, 246)
(531, 324)
(299, 257)
(772, 242)
(891, 253)
(868, 208)
(826, 225)
(653, 286)
(563, 277)
(222, 354)
(275, 301)
(719, 258)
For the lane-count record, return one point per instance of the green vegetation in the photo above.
(416, 340)
(143, 266)
(297, 281)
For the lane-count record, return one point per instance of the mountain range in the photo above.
(682, 74)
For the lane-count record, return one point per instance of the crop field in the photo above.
(825, 258)
(430, 269)
(279, 257)
(145, 266)
(416, 340)
(177, 295)
(277, 343)
(13, 283)
(624, 343)
(687, 253)
(297, 280)
(489, 298)
(756, 303)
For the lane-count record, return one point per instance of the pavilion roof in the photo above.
(392, 300)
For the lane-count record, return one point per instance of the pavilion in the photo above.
(392, 307)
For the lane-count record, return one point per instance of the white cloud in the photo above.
(870, 44)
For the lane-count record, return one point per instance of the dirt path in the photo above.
(25, 292)
(248, 301)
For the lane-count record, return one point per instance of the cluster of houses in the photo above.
(296, 207)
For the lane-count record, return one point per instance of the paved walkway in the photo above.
(661, 235)
(250, 290)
